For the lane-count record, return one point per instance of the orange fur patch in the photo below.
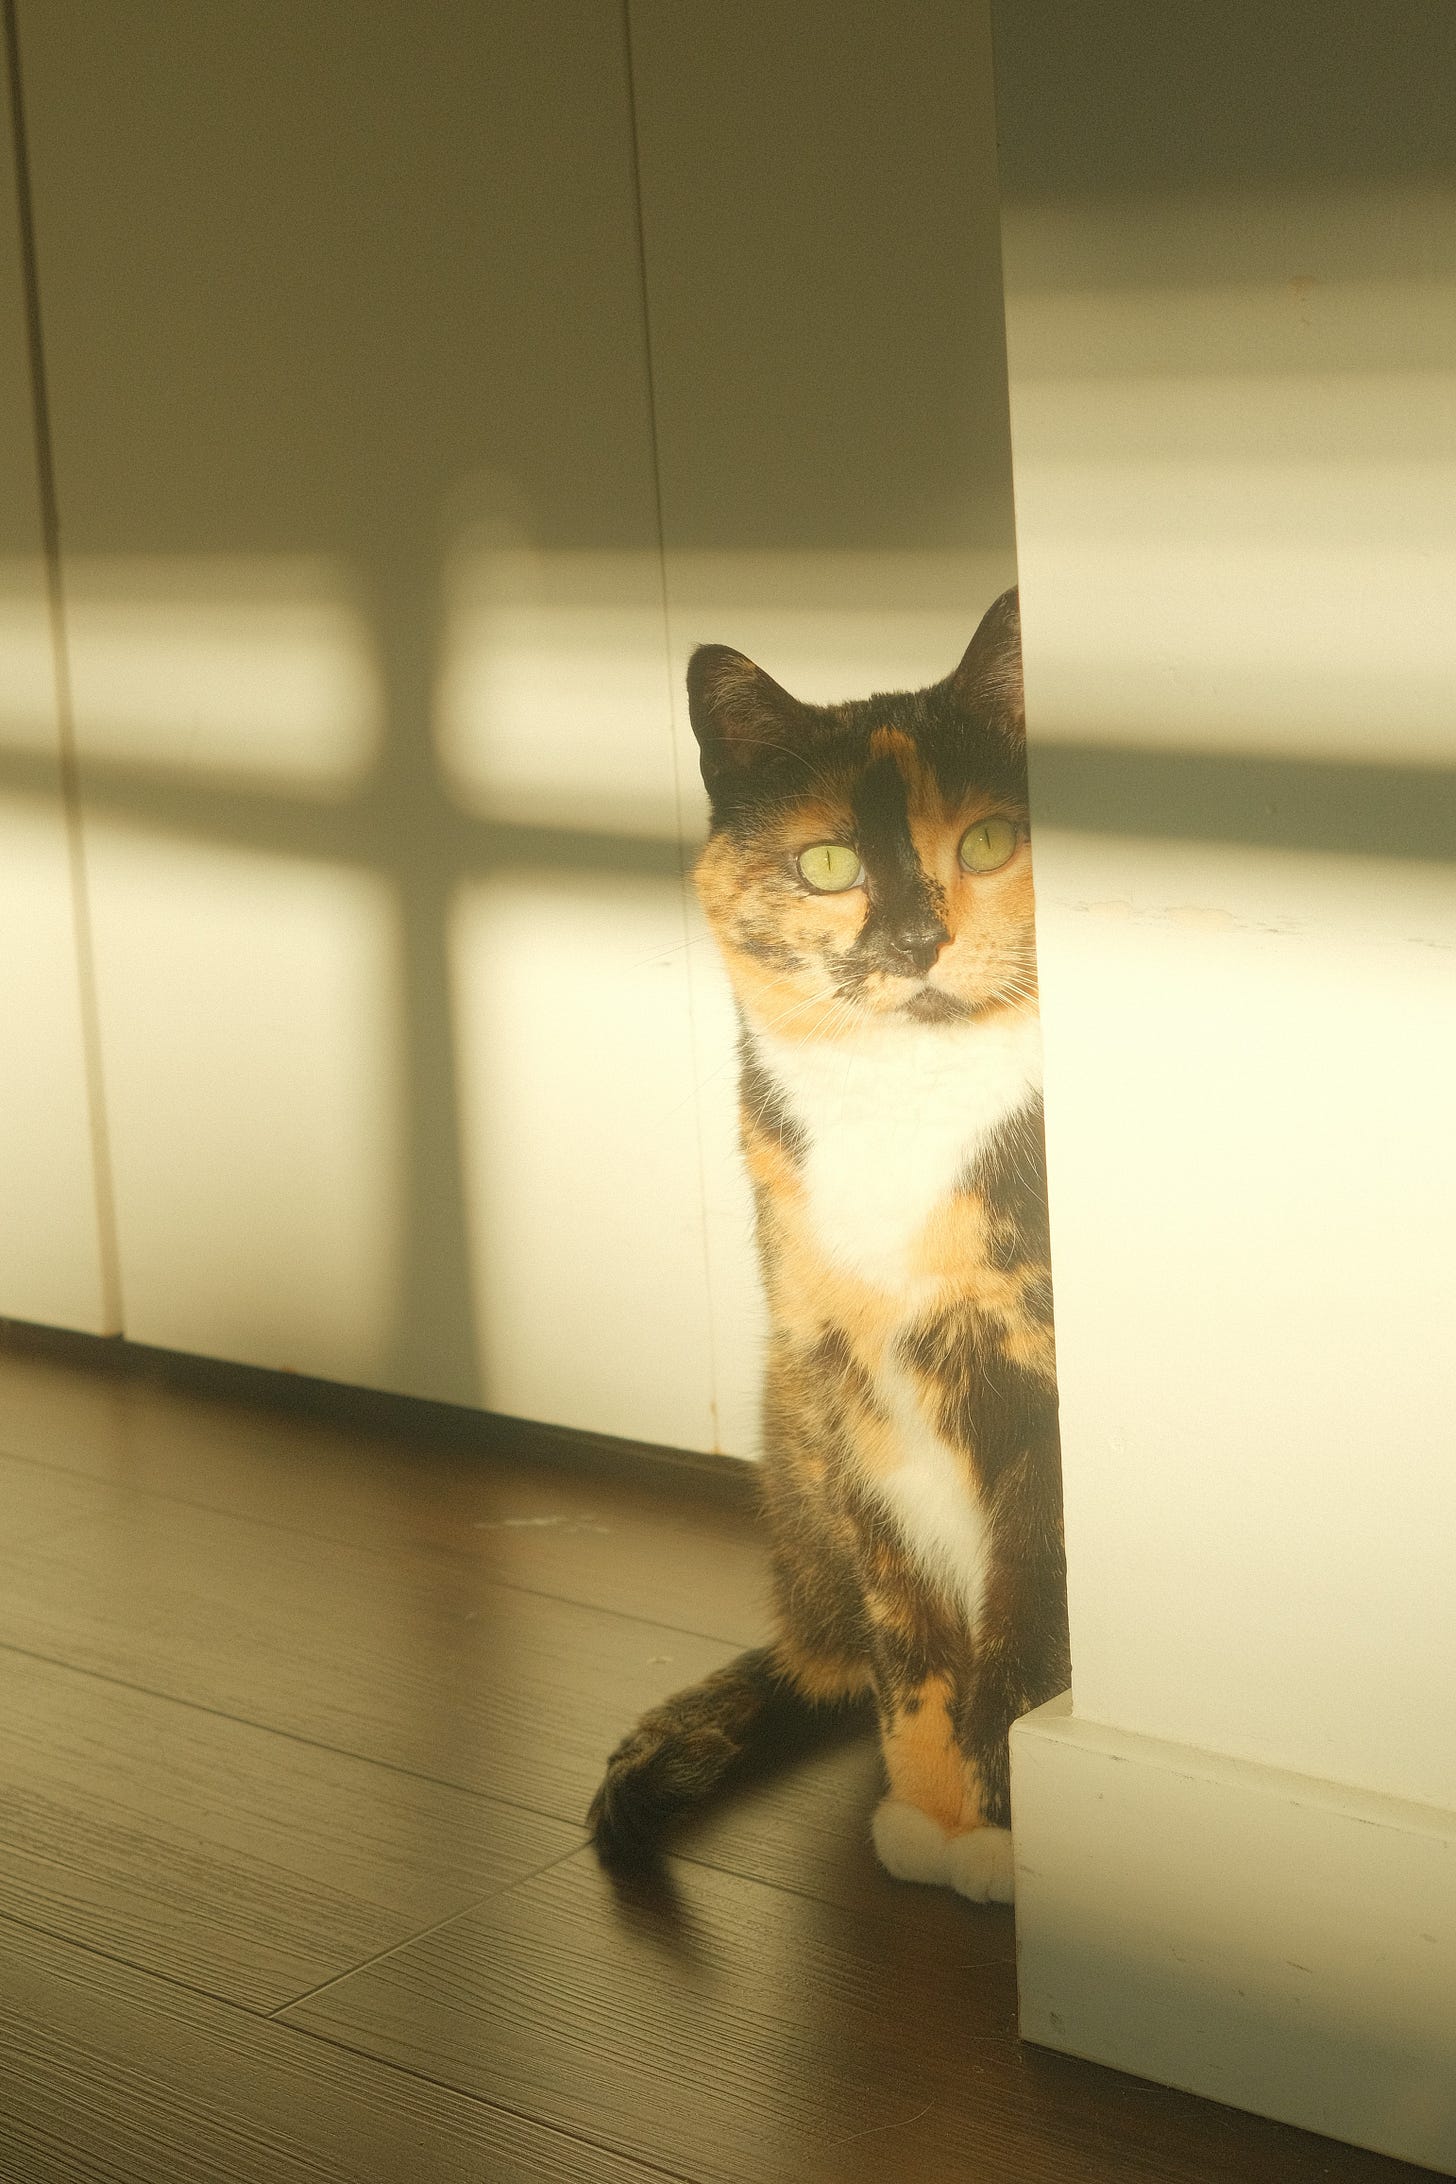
(924, 1765)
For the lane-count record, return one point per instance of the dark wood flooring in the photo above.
(299, 1726)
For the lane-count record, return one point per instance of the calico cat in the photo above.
(867, 877)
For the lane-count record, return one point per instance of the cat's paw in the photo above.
(914, 1847)
(979, 1865)
(909, 1844)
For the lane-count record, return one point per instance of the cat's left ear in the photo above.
(988, 679)
(740, 716)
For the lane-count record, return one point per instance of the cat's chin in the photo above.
(931, 1006)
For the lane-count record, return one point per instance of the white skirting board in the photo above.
(1283, 1944)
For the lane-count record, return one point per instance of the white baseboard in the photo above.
(1262, 1938)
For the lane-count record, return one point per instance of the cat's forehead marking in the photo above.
(903, 753)
(893, 743)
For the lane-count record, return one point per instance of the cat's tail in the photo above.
(683, 1749)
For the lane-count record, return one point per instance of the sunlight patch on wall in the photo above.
(556, 703)
(260, 671)
(552, 703)
(27, 659)
(250, 1031)
(49, 1260)
(1238, 490)
(1158, 256)
(1245, 1052)
(736, 1298)
(576, 1083)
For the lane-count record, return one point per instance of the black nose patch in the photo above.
(905, 929)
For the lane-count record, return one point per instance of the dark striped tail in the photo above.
(683, 1749)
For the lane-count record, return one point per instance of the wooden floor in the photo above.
(299, 1728)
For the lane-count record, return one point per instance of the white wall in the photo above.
(424, 386)
(50, 1234)
(1230, 251)
(1234, 410)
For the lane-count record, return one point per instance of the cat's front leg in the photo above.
(933, 1826)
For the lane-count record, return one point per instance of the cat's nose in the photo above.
(919, 949)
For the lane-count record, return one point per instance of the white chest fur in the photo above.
(892, 1121)
(930, 1495)
(893, 1116)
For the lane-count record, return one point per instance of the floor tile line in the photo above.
(270, 2018)
(617, 2149)
(410, 1774)
(293, 1736)
(461, 1911)
(259, 2013)
(353, 1546)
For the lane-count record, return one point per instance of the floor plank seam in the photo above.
(378, 2062)
(410, 1774)
(617, 2148)
(627, 1615)
(48, 1538)
(406, 1941)
(395, 1767)
(296, 1736)
(958, 1907)
(257, 2013)
(352, 1546)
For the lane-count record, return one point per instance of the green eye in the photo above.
(989, 844)
(830, 867)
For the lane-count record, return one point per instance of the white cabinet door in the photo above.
(353, 439)
(50, 1257)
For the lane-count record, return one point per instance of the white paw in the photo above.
(914, 1847)
(909, 1843)
(979, 1865)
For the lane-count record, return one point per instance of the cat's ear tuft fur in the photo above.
(740, 716)
(988, 679)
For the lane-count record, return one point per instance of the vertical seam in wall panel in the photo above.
(686, 859)
(1028, 712)
(70, 782)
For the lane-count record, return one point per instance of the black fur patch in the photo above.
(1023, 1657)
(905, 926)
(1011, 1177)
(986, 1403)
(833, 1360)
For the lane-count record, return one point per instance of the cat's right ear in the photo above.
(989, 677)
(740, 716)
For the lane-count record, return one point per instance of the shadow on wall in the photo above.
(393, 910)
(259, 815)
(473, 1015)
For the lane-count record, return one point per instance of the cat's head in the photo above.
(869, 860)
